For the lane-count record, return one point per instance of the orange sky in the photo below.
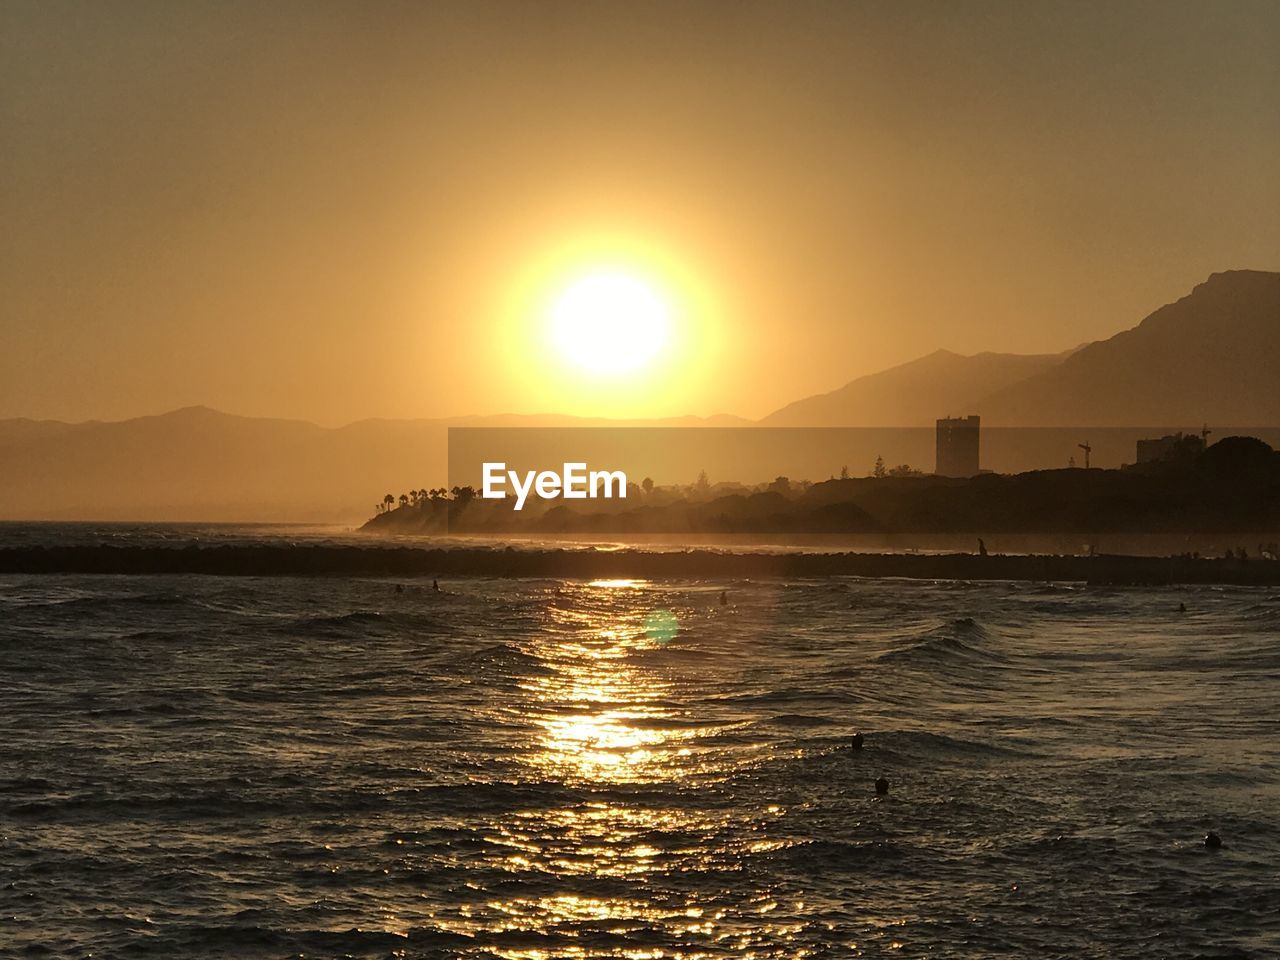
(334, 211)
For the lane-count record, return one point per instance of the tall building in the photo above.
(957, 451)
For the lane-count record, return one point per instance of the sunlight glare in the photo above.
(610, 323)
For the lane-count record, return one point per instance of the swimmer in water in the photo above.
(882, 786)
(1212, 841)
(724, 598)
(435, 585)
(856, 741)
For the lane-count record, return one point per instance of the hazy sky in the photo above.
(334, 211)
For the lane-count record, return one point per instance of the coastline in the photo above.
(401, 561)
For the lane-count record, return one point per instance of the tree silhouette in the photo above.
(878, 470)
(647, 485)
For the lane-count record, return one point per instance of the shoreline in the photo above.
(399, 561)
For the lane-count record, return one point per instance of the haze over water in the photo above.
(201, 766)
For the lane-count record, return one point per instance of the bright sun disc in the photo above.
(609, 323)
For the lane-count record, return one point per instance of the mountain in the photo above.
(201, 464)
(1213, 356)
(915, 393)
(1210, 357)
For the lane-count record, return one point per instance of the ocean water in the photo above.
(261, 768)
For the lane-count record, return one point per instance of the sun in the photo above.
(610, 322)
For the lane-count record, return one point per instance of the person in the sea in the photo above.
(882, 786)
(856, 741)
(724, 598)
(435, 585)
(1212, 841)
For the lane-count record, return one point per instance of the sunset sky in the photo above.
(336, 211)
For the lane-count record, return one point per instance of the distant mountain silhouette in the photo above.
(201, 464)
(915, 393)
(1213, 356)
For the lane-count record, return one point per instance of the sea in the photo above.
(243, 767)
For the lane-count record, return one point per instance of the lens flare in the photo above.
(661, 626)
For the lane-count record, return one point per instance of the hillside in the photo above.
(1233, 486)
(1213, 356)
(915, 393)
(1210, 357)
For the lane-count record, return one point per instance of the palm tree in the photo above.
(404, 499)
(388, 501)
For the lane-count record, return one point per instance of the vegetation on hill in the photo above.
(1234, 485)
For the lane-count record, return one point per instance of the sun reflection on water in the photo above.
(603, 715)
(610, 715)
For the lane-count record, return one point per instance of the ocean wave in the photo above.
(928, 745)
(503, 659)
(837, 855)
(366, 796)
(107, 602)
(795, 695)
(795, 720)
(358, 622)
(961, 641)
(668, 654)
(161, 708)
(243, 934)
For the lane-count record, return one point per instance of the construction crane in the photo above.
(1087, 450)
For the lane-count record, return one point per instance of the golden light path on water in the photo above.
(610, 713)
(541, 768)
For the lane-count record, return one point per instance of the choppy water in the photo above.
(205, 767)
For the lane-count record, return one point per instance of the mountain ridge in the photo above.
(914, 393)
(1209, 356)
